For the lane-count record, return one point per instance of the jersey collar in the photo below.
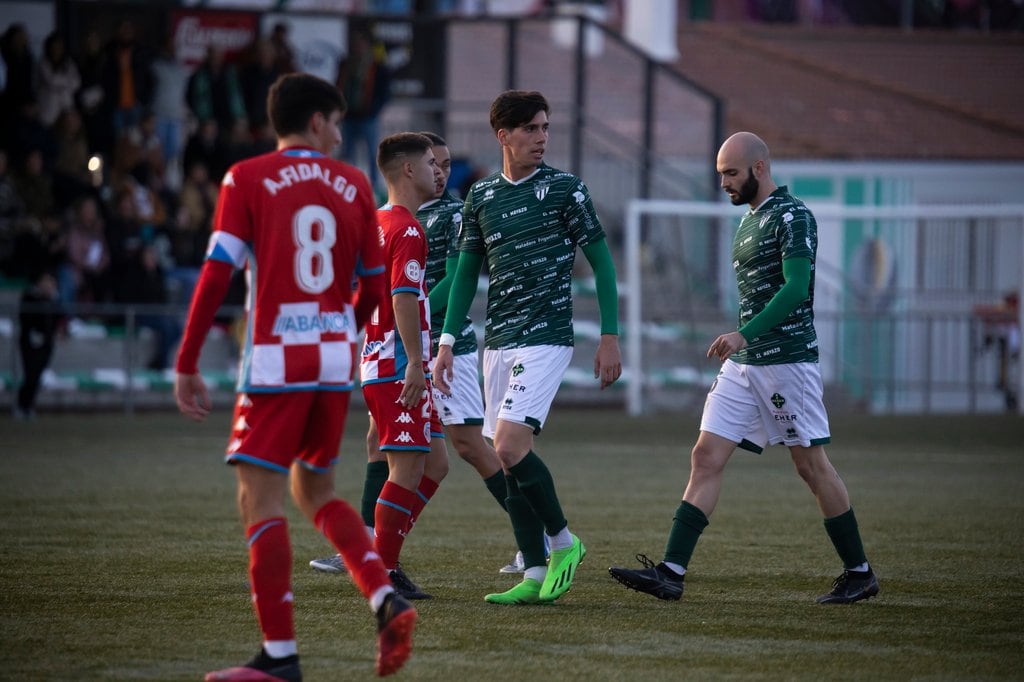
(522, 180)
(301, 152)
(779, 191)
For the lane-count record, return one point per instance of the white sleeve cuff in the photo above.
(446, 340)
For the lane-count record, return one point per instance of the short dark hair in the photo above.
(514, 108)
(294, 97)
(394, 147)
(435, 139)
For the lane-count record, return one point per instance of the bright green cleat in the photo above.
(526, 592)
(561, 569)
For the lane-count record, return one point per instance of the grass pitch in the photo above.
(122, 559)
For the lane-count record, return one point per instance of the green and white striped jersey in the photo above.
(528, 232)
(441, 219)
(780, 228)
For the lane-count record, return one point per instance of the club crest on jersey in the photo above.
(431, 220)
(540, 190)
(413, 271)
(579, 197)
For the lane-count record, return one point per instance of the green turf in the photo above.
(122, 559)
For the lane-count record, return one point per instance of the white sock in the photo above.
(863, 568)
(562, 540)
(369, 531)
(676, 568)
(377, 598)
(536, 573)
(280, 648)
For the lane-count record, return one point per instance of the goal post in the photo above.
(1001, 267)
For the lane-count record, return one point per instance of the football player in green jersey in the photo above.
(527, 221)
(462, 412)
(769, 390)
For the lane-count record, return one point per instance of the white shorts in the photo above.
(465, 405)
(755, 405)
(520, 384)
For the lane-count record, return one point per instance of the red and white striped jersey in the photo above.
(405, 261)
(305, 226)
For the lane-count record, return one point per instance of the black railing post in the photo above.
(510, 53)
(648, 129)
(578, 107)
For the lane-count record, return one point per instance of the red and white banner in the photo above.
(194, 31)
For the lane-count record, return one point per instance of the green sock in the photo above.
(526, 525)
(496, 486)
(538, 488)
(376, 477)
(687, 525)
(845, 536)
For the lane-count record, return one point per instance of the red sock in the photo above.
(270, 573)
(340, 524)
(424, 492)
(390, 519)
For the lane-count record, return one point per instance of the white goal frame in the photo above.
(637, 209)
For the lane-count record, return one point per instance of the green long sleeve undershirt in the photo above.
(463, 287)
(600, 259)
(439, 292)
(797, 273)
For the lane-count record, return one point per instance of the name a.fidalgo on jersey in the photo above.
(324, 323)
(307, 172)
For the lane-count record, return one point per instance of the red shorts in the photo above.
(397, 427)
(274, 429)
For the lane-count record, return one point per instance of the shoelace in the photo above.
(842, 580)
(642, 558)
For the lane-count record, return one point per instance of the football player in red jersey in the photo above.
(305, 227)
(396, 354)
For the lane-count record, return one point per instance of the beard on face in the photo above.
(747, 191)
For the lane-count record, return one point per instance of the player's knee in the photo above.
(705, 461)
(436, 468)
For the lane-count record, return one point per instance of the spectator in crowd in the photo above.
(284, 54)
(85, 276)
(38, 328)
(257, 75)
(143, 281)
(170, 108)
(71, 176)
(57, 79)
(91, 97)
(127, 79)
(138, 149)
(19, 64)
(35, 185)
(197, 201)
(215, 92)
(364, 81)
(27, 133)
(124, 230)
(11, 206)
(205, 145)
(39, 246)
